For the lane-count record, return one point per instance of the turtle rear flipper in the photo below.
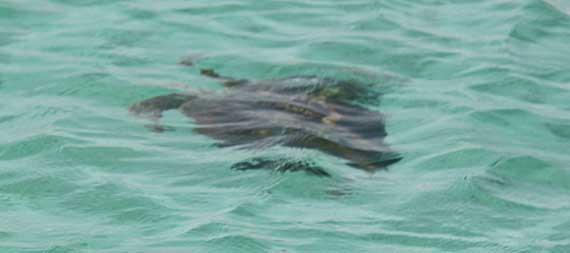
(281, 165)
(372, 161)
(158, 128)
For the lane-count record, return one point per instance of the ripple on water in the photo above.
(26, 148)
(475, 95)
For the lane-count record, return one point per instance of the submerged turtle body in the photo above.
(300, 112)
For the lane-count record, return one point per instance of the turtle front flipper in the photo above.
(152, 108)
(227, 82)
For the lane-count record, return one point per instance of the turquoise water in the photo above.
(476, 94)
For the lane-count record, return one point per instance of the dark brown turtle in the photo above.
(301, 112)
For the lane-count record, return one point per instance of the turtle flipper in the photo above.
(371, 160)
(281, 165)
(157, 127)
(209, 73)
(227, 82)
(152, 108)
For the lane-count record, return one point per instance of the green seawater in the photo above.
(476, 95)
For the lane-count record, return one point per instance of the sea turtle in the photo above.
(300, 112)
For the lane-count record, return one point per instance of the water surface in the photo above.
(476, 93)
